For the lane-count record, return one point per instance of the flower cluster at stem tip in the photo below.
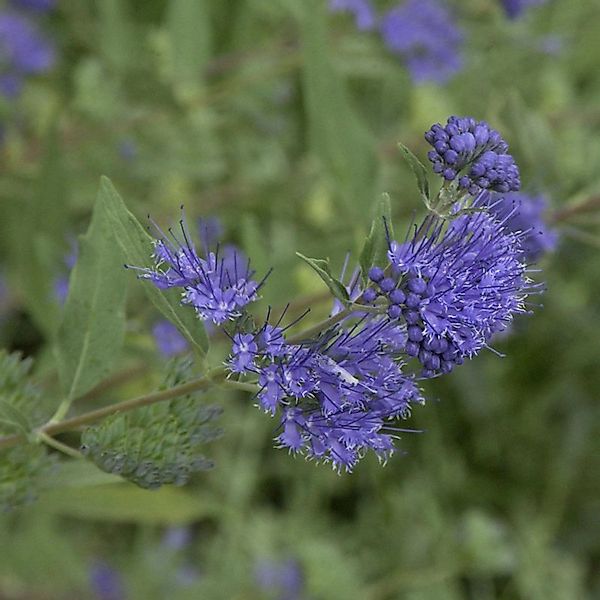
(339, 390)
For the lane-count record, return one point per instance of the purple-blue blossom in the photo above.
(168, 339)
(514, 8)
(218, 286)
(363, 11)
(24, 50)
(337, 395)
(473, 154)
(525, 214)
(425, 35)
(454, 285)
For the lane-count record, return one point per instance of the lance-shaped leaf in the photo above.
(375, 249)
(419, 171)
(137, 247)
(321, 267)
(91, 334)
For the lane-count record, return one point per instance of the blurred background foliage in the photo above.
(281, 119)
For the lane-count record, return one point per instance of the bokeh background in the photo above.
(276, 121)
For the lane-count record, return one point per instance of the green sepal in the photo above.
(321, 267)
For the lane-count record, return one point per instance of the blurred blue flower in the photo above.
(168, 339)
(24, 50)
(34, 5)
(282, 580)
(127, 149)
(106, 582)
(61, 282)
(525, 214)
(363, 11)
(514, 8)
(425, 35)
(210, 230)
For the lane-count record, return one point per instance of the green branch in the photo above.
(51, 428)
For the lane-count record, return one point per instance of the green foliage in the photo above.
(420, 173)
(91, 333)
(375, 249)
(137, 247)
(21, 466)
(321, 267)
(337, 135)
(155, 445)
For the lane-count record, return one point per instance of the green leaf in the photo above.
(125, 503)
(137, 247)
(159, 444)
(23, 466)
(337, 133)
(322, 269)
(13, 418)
(91, 334)
(419, 171)
(375, 249)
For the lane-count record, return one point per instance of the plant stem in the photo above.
(52, 428)
(326, 324)
(50, 441)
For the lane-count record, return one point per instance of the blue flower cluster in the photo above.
(218, 286)
(24, 50)
(339, 389)
(335, 393)
(453, 286)
(473, 153)
(425, 35)
(422, 32)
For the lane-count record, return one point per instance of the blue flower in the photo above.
(525, 214)
(338, 394)
(168, 339)
(23, 51)
(106, 583)
(218, 286)
(455, 285)
(473, 153)
(424, 34)
(514, 8)
(363, 11)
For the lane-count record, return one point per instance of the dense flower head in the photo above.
(24, 50)
(514, 8)
(218, 285)
(335, 394)
(424, 34)
(363, 11)
(473, 154)
(525, 214)
(454, 286)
